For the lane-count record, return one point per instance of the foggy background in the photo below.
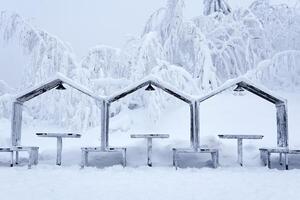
(84, 24)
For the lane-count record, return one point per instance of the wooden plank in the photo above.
(282, 125)
(232, 136)
(149, 135)
(63, 135)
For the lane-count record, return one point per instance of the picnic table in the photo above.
(240, 139)
(59, 137)
(149, 138)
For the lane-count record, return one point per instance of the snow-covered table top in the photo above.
(63, 135)
(232, 136)
(150, 136)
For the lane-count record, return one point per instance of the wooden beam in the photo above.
(171, 92)
(16, 123)
(282, 125)
(123, 94)
(39, 91)
(259, 93)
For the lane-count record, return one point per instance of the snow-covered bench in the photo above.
(33, 153)
(85, 151)
(214, 154)
(8, 150)
(265, 155)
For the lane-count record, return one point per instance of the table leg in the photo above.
(59, 150)
(149, 152)
(124, 157)
(240, 151)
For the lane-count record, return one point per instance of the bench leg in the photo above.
(17, 158)
(173, 157)
(280, 159)
(217, 158)
(214, 159)
(84, 158)
(36, 157)
(263, 157)
(31, 158)
(286, 161)
(175, 161)
(269, 160)
(12, 159)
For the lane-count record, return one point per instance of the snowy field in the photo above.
(224, 114)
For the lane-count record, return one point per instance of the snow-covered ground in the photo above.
(222, 114)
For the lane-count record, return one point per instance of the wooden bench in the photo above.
(8, 150)
(265, 155)
(214, 154)
(85, 151)
(33, 153)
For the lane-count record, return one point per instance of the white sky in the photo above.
(84, 24)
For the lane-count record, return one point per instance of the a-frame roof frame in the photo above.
(249, 86)
(155, 81)
(53, 83)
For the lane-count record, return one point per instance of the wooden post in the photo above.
(59, 150)
(104, 125)
(16, 124)
(282, 125)
(192, 126)
(197, 122)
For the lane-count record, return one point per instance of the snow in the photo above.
(197, 58)
(143, 183)
(218, 115)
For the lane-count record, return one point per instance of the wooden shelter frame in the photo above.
(158, 83)
(20, 99)
(279, 102)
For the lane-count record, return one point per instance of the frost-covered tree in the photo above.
(212, 6)
(47, 56)
(281, 25)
